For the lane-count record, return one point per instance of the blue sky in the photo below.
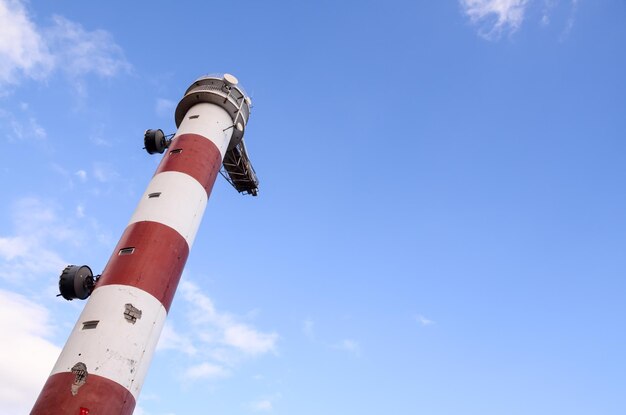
(441, 221)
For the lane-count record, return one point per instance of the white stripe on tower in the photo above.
(217, 129)
(174, 199)
(110, 341)
(117, 332)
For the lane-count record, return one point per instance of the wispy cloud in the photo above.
(30, 51)
(547, 8)
(23, 50)
(22, 126)
(82, 175)
(27, 253)
(31, 354)
(83, 52)
(220, 340)
(206, 371)
(570, 20)
(495, 17)
(230, 331)
(102, 179)
(423, 321)
(264, 404)
(249, 340)
(80, 210)
(308, 328)
(172, 340)
(349, 345)
(99, 137)
(104, 172)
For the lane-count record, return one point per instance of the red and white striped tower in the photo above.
(105, 360)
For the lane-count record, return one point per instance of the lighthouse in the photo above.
(102, 367)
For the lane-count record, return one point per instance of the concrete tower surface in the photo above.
(103, 365)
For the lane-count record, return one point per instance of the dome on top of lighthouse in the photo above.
(228, 79)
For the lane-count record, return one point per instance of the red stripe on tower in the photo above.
(105, 360)
(183, 157)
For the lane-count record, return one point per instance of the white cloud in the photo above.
(37, 129)
(262, 405)
(204, 310)
(100, 141)
(22, 126)
(104, 172)
(29, 252)
(206, 371)
(80, 210)
(27, 50)
(22, 258)
(82, 175)
(495, 16)
(172, 340)
(249, 340)
(12, 247)
(230, 331)
(349, 345)
(308, 328)
(423, 320)
(82, 52)
(570, 20)
(26, 326)
(220, 340)
(22, 48)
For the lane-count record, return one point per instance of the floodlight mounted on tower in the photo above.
(223, 90)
